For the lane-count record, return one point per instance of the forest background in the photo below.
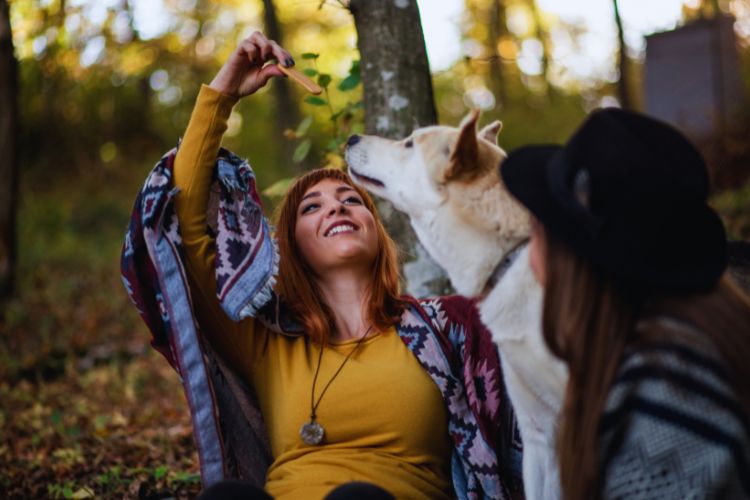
(86, 408)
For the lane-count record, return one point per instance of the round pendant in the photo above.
(312, 433)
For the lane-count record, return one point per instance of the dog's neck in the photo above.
(502, 267)
(472, 263)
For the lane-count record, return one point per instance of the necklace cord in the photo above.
(313, 404)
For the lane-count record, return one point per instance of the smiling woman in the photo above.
(363, 392)
(318, 204)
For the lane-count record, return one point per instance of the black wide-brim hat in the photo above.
(628, 194)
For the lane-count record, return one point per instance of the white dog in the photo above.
(447, 181)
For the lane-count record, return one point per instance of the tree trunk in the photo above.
(497, 30)
(622, 82)
(715, 8)
(286, 115)
(8, 154)
(542, 36)
(398, 98)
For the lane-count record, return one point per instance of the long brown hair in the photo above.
(588, 320)
(301, 293)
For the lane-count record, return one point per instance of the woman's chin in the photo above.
(351, 255)
(347, 249)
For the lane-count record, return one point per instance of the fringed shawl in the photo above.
(445, 334)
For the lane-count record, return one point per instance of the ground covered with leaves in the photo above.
(119, 429)
(87, 408)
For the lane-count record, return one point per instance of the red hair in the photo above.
(302, 295)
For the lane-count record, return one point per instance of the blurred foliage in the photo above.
(342, 122)
(102, 80)
(93, 87)
(86, 409)
(734, 207)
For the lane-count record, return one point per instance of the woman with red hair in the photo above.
(368, 392)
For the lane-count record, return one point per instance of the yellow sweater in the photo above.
(384, 417)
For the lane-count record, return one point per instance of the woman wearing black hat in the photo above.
(639, 305)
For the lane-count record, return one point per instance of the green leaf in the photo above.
(67, 492)
(278, 188)
(303, 127)
(350, 82)
(160, 471)
(310, 55)
(333, 145)
(56, 418)
(186, 477)
(100, 422)
(310, 72)
(324, 80)
(316, 101)
(73, 432)
(139, 470)
(354, 70)
(301, 151)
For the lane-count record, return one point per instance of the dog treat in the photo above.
(302, 79)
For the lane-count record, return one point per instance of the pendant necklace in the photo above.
(312, 432)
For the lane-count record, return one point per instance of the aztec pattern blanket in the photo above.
(445, 334)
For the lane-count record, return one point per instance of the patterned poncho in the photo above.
(445, 334)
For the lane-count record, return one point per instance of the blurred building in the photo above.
(693, 77)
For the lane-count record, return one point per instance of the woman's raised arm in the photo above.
(242, 75)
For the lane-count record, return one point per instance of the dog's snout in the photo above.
(353, 139)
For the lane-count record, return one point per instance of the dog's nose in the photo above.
(353, 139)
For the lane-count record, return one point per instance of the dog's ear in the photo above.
(489, 132)
(465, 155)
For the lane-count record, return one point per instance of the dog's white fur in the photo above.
(447, 181)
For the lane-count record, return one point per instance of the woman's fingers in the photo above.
(265, 46)
(269, 49)
(281, 55)
(261, 43)
(250, 52)
(267, 72)
(245, 72)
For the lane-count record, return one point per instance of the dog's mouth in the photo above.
(365, 179)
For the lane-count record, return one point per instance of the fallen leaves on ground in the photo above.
(116, 430)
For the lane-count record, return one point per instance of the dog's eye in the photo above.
(409, 143)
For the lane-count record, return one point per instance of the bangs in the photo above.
(301, 292)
